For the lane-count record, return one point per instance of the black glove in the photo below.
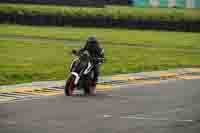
(98, 60)
(74, 52)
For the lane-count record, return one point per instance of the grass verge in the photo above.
(25, 61)
(106, 35)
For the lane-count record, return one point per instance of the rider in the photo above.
(97, 54)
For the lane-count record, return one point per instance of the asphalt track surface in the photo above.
(169, 107)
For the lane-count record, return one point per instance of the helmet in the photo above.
(92, 39)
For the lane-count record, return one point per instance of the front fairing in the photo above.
(80, 67)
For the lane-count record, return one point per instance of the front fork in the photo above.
(77, 77)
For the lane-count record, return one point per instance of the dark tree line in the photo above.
(99, 21)
(96, 3)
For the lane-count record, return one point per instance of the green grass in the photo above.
(34, 60)
(114, 36)
(25, 61)
(115, 12)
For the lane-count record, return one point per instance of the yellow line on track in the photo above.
(6, 99)
(195, 69)
(126, 78)
(168, 75)
(39, 91)
(143, 82)
(187, 77)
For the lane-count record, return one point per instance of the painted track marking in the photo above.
(168, 75)
(27, 93)
(6, 99)
(152, 119)
(126, 78)
(135, 117)
(40, 91)
(187, 77)
(18, 94)
(195, 70)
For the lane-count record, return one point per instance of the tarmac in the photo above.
(150, 102)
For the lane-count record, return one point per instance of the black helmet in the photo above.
(92, 39)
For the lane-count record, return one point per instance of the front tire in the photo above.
(69, 86)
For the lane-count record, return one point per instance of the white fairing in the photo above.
(77, 77)
(89, 67)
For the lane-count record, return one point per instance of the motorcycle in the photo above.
(81, 74)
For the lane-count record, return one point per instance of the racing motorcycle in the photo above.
(81, 74)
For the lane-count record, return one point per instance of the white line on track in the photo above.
(152, 119)
(135, 117)
(107, 116)
(162, 113)
(151, 116)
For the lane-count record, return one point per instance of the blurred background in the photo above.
(36, 36)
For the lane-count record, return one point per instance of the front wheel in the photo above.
(69, 86)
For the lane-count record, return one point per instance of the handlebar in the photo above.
(76, 53)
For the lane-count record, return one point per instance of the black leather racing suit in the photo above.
(97, 54)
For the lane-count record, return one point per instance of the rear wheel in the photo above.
(92, 84)
(84, 84)
(92, 88)
(69, 86)
(89, 88)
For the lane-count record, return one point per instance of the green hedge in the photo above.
(109, 11)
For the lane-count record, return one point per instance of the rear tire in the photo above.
(69, 86)
(92, 88)
(84, 84)
(88, 88)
